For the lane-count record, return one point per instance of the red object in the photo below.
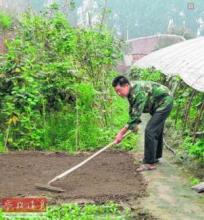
(24, 204)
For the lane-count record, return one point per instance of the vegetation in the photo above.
(72, 211)
(55, 86)
(5, 21)
(5, 25)
(106, 211)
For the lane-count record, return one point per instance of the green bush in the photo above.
(5, 21)
(194, 149)
(55, 86)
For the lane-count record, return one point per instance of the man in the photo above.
(148, 97)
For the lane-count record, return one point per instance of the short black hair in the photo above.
(120, 80)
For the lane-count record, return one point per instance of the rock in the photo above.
(199, 187)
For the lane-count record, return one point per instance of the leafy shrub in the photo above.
(55, 86)
(194, 149)
(5, 21)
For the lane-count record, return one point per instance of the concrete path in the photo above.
(170, 194)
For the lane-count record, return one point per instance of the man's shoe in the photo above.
(146, 167)
(142, 161)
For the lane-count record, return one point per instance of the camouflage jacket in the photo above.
(147, 97)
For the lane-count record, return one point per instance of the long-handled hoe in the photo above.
(48, 186)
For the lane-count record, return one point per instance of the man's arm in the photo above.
(122, 132)
(136, 109)
(135, 112)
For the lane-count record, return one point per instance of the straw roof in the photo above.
(185, 59)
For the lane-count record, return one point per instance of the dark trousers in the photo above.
(154, 135)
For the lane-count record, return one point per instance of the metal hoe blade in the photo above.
(49, 188)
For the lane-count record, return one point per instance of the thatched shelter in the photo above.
(185, 59)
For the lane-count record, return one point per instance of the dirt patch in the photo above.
(109, 176)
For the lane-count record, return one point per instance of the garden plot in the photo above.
(110, 176)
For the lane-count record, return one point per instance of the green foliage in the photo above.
(70, 211)
(194, 181)
(73, 211)
(55, 86)
(5, 21)
(150, 74)
(195, 149)
(1, 214)
(2, 147)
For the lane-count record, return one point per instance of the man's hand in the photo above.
(120, 135)
(118, 138)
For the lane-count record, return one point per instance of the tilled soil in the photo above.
(110, 176)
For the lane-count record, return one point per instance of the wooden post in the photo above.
(188, 106)
(198, 120)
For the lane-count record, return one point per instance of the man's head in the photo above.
(121, 86)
